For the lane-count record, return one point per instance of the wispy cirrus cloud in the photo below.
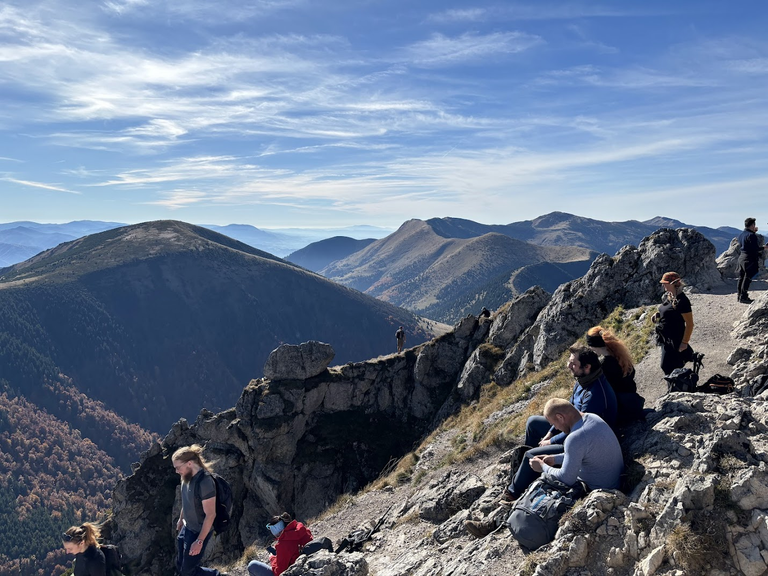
(42, 185)
(440, 50)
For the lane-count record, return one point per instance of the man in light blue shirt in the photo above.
(591, 451)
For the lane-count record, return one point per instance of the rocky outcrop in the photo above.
(728, 261)
(326, 564)
(629, 279)
(295, 444)
(291, 362)
(750, 360)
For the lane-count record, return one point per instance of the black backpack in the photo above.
(112, 559)
(682, 380)
(323, 543)
(717, 384)
(223, 502)
(536, 514)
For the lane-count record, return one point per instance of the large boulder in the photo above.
(728, 261)
(298, 362)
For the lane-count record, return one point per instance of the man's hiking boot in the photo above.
(745, 299)
(507, 498)
(480, 528)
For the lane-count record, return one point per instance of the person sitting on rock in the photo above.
(591, 454)
(291, 536)
(619, 370)
(591, 393)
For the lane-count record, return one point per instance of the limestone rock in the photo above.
(298, 362)
(728, 261)
(513, 319)
(450, 493)
(325, 563)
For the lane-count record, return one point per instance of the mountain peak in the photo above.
(121, 246)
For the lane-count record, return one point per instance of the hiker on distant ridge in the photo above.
(82, 542)
(674, 324)
(291, 536)
(749, 259)
(591, 454)
(400, 337)
(591, 393)
(616, 362)
(198, 510)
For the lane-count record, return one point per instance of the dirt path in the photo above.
(714, 314)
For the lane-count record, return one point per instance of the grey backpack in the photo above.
(535, 516)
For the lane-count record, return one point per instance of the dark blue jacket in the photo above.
(750, 247)
(597, 397)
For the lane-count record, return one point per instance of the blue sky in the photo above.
(327, 113)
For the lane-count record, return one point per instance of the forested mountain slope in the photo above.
(159, 320)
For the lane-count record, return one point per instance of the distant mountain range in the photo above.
(22, 240)
(444, 268)
(562, 229)
(320, 254)
(158, 320)
(445, 277)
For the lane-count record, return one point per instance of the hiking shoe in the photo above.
(746, 300)
(480, 528)
(507, 498)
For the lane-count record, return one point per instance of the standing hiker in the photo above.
(674, 324)
(198, 510)
(400, 337)
(749, 259)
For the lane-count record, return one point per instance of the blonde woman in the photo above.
(82, 541)
(674, 324)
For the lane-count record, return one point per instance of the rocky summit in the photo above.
(694, 502)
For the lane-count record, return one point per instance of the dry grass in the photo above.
(341, 502)
(531, 562)
(396, 475)
(699, 543)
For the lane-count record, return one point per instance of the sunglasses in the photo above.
(66, 537)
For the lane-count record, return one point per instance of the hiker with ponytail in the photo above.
(198, 510)
(674, 324)
(82, 541)
(619, 370)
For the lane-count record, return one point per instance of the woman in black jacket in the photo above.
(82, 542)
(619, 370)
(674, 324)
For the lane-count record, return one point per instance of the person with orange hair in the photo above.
(619, 369)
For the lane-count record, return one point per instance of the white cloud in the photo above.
(440, 50)
(39, 185)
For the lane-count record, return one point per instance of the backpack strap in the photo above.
(197, 498)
